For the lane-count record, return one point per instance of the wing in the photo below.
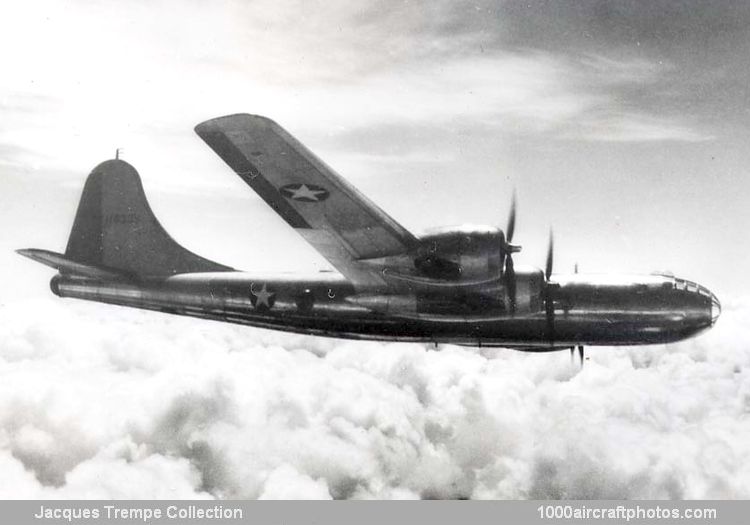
(340, 222)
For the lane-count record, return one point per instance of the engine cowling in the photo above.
(530, 284)
(465, 253)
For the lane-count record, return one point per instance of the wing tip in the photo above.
(233, 122)
(39, 255)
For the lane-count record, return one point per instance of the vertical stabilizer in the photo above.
(115, 229)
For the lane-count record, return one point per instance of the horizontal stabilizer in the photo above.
(68, 266)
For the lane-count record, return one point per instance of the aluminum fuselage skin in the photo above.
(588, 309)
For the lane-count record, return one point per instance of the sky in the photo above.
(622, 125)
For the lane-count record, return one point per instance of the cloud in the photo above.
(285, 482)
(161, 406)
(617, 126)
(342, 69)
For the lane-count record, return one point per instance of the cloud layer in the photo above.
(103, 402)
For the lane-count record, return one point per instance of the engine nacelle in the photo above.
(460, 253)
(486, 300)
(530, 286)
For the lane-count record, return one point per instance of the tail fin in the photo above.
(115, 229)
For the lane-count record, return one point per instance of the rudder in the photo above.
(115, 228)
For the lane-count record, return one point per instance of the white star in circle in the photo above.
(263, 296)
(304, 192)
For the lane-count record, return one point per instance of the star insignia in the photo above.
(263, 298)
(304, 192)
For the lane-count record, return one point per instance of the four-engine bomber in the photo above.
(452, 285)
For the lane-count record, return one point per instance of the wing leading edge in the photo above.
(341, 223)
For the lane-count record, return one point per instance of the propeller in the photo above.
(510, 282)
(549, 300)
(507, 249)
(550, 256)
(511, 220)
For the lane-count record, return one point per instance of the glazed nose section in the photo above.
(715, 308)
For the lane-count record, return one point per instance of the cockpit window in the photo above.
(681, 284)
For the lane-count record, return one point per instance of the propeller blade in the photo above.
(581, 354)
(506, 259)
(550, 256)
(510, 280)
(549, 310)
(511, 220)
(549, 300)
(503, 252)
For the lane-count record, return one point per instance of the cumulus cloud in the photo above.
(102, 402)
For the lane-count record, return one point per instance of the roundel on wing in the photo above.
(304, 192)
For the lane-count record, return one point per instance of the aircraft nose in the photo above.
(715, 308)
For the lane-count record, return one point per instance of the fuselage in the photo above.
(589, 309)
